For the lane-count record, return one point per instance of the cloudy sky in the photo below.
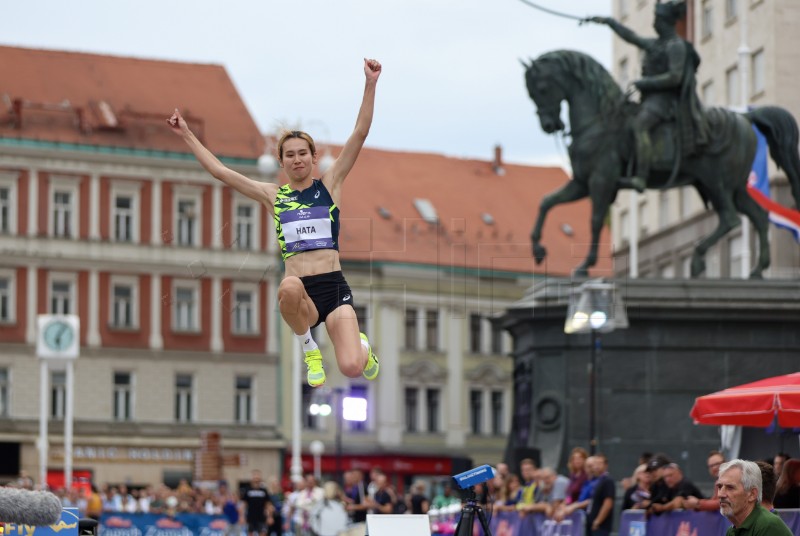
(451, 84)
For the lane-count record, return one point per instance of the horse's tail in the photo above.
(780, 129)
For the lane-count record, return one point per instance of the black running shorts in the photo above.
(327, 291)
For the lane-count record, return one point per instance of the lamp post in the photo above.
(594, 307)
(348, 408)
(317, 447)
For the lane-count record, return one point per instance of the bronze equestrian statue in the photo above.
(602, 152)
(667, 87)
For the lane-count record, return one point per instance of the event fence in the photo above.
(631, 523)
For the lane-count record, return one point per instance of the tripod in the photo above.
(464, 527)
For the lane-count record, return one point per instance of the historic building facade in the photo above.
(105, 217)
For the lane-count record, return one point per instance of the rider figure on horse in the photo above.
(667, 86)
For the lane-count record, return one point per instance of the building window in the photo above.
(497, 413)
(732, 86)
(624, 227)
(412, 408)
(475, 321)
(432, 330)
(62, 214)
(6, 206)
(122, 311)
(706, 20)
(686, 194)
(123, 218)
(476, 411)
(666, 271)
(4, 392)
(759, 76)
(433, 403)
(187, 222)
(244, 226)
(497, 339)
(624, 75)
(663, 209)
(123, 403)
(735, 247)
(58, 394)
(411, 328)
(708, 96)
(686, 266)
(642, 215)
(731, 9)
(185, 309)
(244, 399)
(6, 300)
(8, 202)
(361, 317)
(60, 298)
(713, 268)
(183, 398)
(244, 312)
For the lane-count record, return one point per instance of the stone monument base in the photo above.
(686, 338)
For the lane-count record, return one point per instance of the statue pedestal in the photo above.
(686, 338)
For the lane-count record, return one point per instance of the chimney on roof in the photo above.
(497, 165)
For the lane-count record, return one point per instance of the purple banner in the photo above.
(634, 523)
(512, 524)
(123, 524)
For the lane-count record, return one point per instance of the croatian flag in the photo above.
(758, 188)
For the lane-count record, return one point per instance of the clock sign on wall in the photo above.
(58, 336)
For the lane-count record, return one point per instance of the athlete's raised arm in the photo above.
(334, 177)
(259, 191)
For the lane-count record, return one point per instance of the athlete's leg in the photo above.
(351, 354)
(299, 311)
(296, 306)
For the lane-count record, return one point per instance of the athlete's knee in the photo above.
(290, 291)
(352, 368)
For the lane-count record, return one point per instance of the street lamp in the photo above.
(348, 408)
(594, 307)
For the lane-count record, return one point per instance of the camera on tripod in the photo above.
(467, 481)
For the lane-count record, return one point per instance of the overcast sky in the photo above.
(451, 82)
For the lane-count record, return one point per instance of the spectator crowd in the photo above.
(657, 485)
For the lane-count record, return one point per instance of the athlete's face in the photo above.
(298, 160)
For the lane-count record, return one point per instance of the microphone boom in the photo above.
(34, 508)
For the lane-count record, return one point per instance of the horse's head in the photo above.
(545, 88)
(573, 76)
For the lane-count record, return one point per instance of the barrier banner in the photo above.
(634, 523)
(512, 524)
(504, 524)
(123, 524)
(792, 519)
(574, 525)
(67, 526)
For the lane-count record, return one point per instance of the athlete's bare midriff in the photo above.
(314, 262)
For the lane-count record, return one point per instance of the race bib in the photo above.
(306, 228)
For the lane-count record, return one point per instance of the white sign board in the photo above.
(398, 525)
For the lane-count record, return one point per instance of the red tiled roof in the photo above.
(58, 88)
(461, 191)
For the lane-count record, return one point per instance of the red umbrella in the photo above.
(753, 404)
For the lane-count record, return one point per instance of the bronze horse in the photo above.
(601, 152)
